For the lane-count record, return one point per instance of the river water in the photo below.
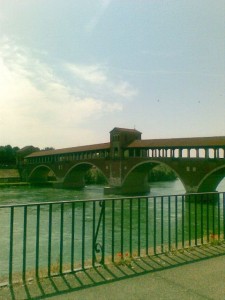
(22, 195)
(25, 194)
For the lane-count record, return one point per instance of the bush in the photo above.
(94, 176)
(161, 173)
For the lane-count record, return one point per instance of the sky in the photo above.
(71, 71)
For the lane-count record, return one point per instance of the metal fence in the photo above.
(43, 239)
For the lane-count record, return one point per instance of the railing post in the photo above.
(154, 225)
(37, 241)
(130, 227)
(49, 238)
(103, 233)
(139, 227)
(169, 222)
(224, 215)
(61, 239)
(24, 243)
(121, 227)
(162, 224)
(11, 244)
(72, 236)
(83, 235)
(146, 229)
(218, 216)
(183, 224)
(196, 220)
(176, 223)
(113, 230)
(93, 234)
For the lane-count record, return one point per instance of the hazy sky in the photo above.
(72, 70)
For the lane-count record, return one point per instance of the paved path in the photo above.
(197, 273)
(200, 280)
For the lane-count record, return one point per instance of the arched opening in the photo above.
(213, 181)
(82, 174)
(176, 153)
(154, 178)
(193, 153)
(42, 175)
(221, 153)
(202, 153)
(116, 152)
(168, 152)
(221, 186)
(184, 153)
(211, 153)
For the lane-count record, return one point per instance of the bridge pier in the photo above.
(135, 184)
(68, 185)
(208, 197)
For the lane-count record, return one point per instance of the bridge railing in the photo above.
(43, 239)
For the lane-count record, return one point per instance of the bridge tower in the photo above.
(120, 138)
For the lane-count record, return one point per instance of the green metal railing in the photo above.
(43, 239)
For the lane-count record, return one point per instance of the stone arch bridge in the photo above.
(126, 160)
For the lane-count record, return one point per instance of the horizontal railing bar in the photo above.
(107, 199)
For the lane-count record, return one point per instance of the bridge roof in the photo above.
(216, 141)
(96, 147)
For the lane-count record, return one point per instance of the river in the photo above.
(26, 194)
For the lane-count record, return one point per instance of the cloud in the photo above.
(92, 74)
(38, 103)
(97, 76)
(102, 7)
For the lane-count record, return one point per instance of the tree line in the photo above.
(8, 155)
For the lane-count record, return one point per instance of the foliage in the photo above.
(161, 173)
(8, 155)
(94, 176)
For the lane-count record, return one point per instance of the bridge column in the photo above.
(120, 183)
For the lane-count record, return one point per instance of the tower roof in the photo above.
(118, 129)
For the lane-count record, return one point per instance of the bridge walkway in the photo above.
(194, 273)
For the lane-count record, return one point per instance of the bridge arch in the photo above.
(138, 176)
(40, 174)
(75, 176)
(211, 180)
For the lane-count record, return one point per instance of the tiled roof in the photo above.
(96, 147)
(180, 142)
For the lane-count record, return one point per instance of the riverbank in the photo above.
(12, 184)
